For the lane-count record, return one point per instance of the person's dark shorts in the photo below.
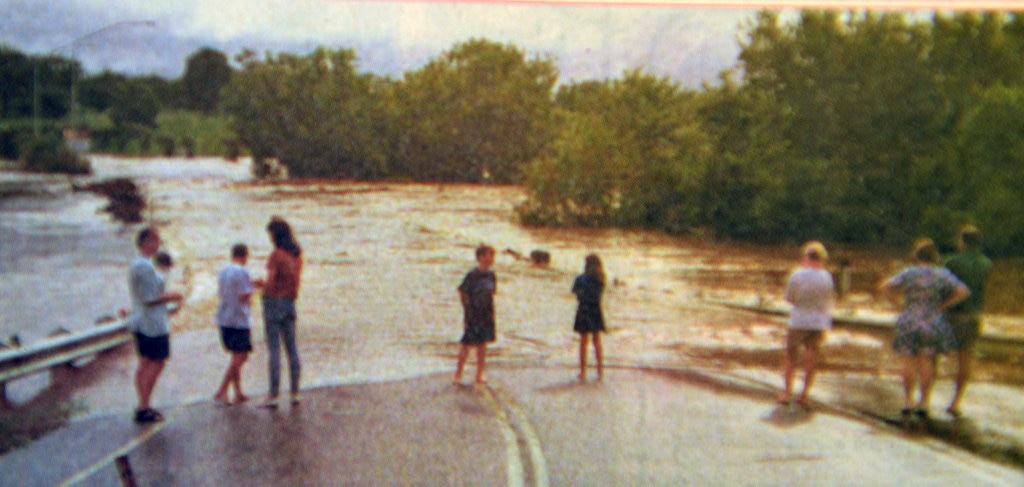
(811, 339)
(153, 348)
(966, 329)
(236, 340)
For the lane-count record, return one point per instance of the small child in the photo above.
(589, 319)
(477, 296)
(234, 317)
(164, 263)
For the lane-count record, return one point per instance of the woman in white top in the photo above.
(812, 293)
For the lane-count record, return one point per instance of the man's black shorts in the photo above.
(154, 348)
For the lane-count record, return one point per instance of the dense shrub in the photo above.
(49, 154)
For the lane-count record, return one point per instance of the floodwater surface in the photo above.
(382, 262)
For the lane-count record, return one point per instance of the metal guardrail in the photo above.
(60, 350)
(883, 326)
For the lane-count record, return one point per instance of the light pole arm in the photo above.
(76, 42)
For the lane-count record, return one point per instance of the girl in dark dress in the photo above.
(589, 318)
(477, 296)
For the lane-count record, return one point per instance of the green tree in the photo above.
(481, 109)
(854, 90)
(315, 114)
(15, 84)
(134, 103)
(206, 73)
(630, 152)
(987, 182)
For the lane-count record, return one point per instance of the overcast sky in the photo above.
(690, 44)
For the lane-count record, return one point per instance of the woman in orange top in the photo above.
(281, 289)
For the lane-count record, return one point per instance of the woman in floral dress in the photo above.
(922, 329)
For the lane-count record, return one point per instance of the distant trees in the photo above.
(119, 111)
(858, 127)
(627, 152)
(850, 127)
(313, 113)
(481, 110)
(869, 115)
(206, 73)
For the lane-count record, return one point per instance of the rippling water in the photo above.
(378, 298)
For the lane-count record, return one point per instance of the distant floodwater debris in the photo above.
(126, 204)
(540, 257)
(537, 257)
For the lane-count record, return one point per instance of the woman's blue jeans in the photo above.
(279, 323)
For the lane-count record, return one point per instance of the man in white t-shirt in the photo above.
(812, 294)
(149, 321)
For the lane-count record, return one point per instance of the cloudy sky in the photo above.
(690, 42)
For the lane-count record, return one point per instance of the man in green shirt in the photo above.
(973, 268)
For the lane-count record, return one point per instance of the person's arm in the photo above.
(889, 291)
(789, 290)
(959, 295)
(166, 298)
(272, 272)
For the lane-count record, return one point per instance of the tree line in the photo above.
(852, 127)
(855, 127)
(122, 113)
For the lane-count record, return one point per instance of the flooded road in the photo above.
(378, 299)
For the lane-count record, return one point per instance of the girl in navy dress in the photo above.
(589, 318)
(477, 296)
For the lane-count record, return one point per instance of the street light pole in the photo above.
(74, 79)
(76, 42)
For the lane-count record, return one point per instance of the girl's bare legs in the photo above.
(583, 356)
(599, 351)
(481, 362)
(463, 355)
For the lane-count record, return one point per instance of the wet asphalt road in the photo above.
(528, 426)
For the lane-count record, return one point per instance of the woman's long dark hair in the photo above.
(281, 235)
(593, 267)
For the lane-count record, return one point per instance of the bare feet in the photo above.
(481, 380)
(802, 402)
(221, 400)
(582, 377)
(241, 398)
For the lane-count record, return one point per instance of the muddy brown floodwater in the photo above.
(378, 299)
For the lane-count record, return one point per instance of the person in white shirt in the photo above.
(811, 291)
(149, 321)
(234, 318)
